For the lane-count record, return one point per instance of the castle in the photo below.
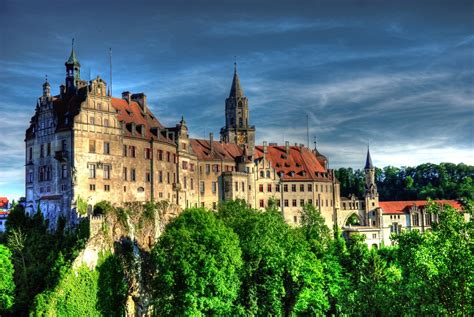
(84, 146)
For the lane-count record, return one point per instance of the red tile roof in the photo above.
(221, 151)
(401, 207)
(300, 163)
(3, 202)
(133, 113)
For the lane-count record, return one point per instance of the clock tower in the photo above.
(237, 129)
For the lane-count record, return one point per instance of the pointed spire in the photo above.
(73, 58)
(46, 83)
(235, 89)
(368, 161)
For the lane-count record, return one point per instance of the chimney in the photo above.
(287, 147)
(126, 96)
(140, 98)
(211, 141)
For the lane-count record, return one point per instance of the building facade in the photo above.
(84, 146)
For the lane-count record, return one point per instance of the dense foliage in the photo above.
(7, 286)
(85, 292)
(435, 181)
(39, 255)
(306, 271)
(197, 261)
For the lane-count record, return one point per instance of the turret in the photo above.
(73, 71)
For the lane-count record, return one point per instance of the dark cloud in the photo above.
(399, 75)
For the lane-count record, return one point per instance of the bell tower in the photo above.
(73, 72)
(237, 128)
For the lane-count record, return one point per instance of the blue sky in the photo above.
(397, 75)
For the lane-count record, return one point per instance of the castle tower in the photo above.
(371, 193)
(46, 88)
(237, 129)
(73, 71)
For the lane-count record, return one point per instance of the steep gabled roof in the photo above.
(368, 161)
(299, 164)
(220, 151)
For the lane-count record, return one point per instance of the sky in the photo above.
(398, 75)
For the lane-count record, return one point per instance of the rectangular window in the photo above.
(124, 150)
(91, 120)
(260, 188)
(301, 202)
(42, 150)
(63, 171)
(285, 188)
(243, 186)
(293, 188)
(132, 150)
(262, 203)
(91, 167)
(416, 221)
(147, 154)
(214, 205)
(168, 178)
(174, 159)
(277, 188)
(91, 146)
(201, 187)
(160, 155)
(48, 149)
(310, 187)
(30, 154)
(295, 219)
(301, 187)
(125, 172)
(133, 175)
(168, 156)
(428, 219)
(293, 202)
(92, 187)
(278, 202)
(191, 167)
(106, 148)
(269, 188)
(215, 168)
(63, 187)
(148, 177)
(185, 165)
(107, 188)
(236, 186)
(106, 123)
(160, 177)
(208, 168)
(30, 176)
(107, 168)
(310, 202)
(185, 181)
(286, 202)
(214, 187)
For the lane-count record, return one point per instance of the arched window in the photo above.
(262, 174)
(268, 174)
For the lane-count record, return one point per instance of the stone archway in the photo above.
(352, 220)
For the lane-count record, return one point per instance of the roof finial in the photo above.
(110, 57)
(235, 64)
(46, 78)
(72, 43)
(314, 141)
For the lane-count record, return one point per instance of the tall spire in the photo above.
(73, 58)
(235, 89)
(368, 161)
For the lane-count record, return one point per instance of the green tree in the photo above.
(7, 286)
(438, 275)
(197, 264)
(280, 275)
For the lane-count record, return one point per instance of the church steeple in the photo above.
(370, 185)
(73, 71)
(235, 90)
(237, 128)
(368, 161)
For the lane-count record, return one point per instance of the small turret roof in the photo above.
(72, 57)
(368, 161)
